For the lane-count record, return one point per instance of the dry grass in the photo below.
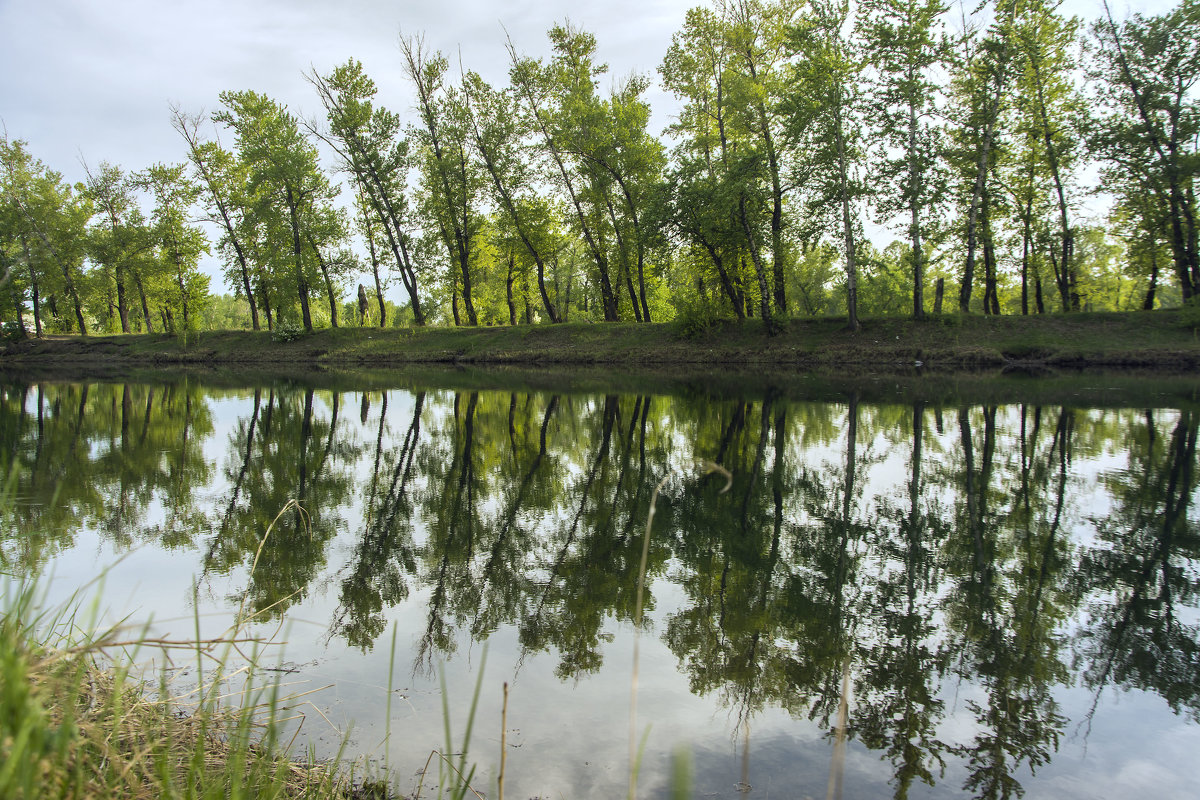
(76, 721)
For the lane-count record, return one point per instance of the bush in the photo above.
(286, 331)
(695, 319)
(13, 332)
(1189, 314)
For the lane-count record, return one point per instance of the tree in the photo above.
(702, 201)
(180, 244)
(121, 234)
(450, 178)
(906, 42)
(52, 227)
(825, 112)
(757, 40)
(560, 99)
(497, 133)
(223, 178)
(367, 139)
(1144, 72)
(980, 92)
(286, 181)
(1044, 41)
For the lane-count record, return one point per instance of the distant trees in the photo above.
(803, 131)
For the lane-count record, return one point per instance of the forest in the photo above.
(977, 141)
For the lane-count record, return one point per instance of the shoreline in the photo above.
(1154, 341)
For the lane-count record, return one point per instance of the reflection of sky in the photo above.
(571, 738)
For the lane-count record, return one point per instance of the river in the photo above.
(880, 592)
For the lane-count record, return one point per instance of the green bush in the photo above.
(13, 332)
(1189, 314)
(695, 319)
(286, 331)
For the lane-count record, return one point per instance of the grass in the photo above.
(1157, 339)
(77, 721)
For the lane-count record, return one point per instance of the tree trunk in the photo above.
(764, 290)
(301, 282)
(508, 289)
(847, 228)
(329, 290)
(1148, 303)
(915, 217)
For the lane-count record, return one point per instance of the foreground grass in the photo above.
(1156, 340)
(75, 723)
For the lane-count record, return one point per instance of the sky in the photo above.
(94, 79)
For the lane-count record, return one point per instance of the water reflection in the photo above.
(894, 551)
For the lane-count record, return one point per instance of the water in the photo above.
(1006, 577)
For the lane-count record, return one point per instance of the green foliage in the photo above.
(1189, 314)
(287, 330)
(695, 318)
(13, 331)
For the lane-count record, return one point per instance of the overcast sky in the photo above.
(95, 78)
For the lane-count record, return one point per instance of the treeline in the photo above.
(970, 135)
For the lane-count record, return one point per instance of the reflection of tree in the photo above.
(898, 710)
(99, 456)
(453, 517)
(384, 555)
(760, 585)
(50, 498)
(1007, 601)
(1143, 571)
(590, 571)
(301, 458)
(525, 484)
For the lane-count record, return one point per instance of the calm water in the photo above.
(1002, 597)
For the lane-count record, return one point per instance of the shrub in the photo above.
(286, 331)
(695, 319)
(13, 332)
(1189, 314)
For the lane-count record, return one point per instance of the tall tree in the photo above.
(223, 180)
(53, 220)
(120, 233)
(498, 133)
(285, 175)
(906, 42)
(561, 100)
(1044, 42)
(981, 89)
(180, 243)
(1145, 71)
(369, 141)
(450, 176)
(756, 36)
(825, 112)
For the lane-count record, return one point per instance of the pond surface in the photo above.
(913, 597)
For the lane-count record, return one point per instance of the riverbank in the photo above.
(77, 722)
(1137, 340)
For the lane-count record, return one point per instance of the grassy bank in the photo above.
(76, 723)
(1143, 340)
